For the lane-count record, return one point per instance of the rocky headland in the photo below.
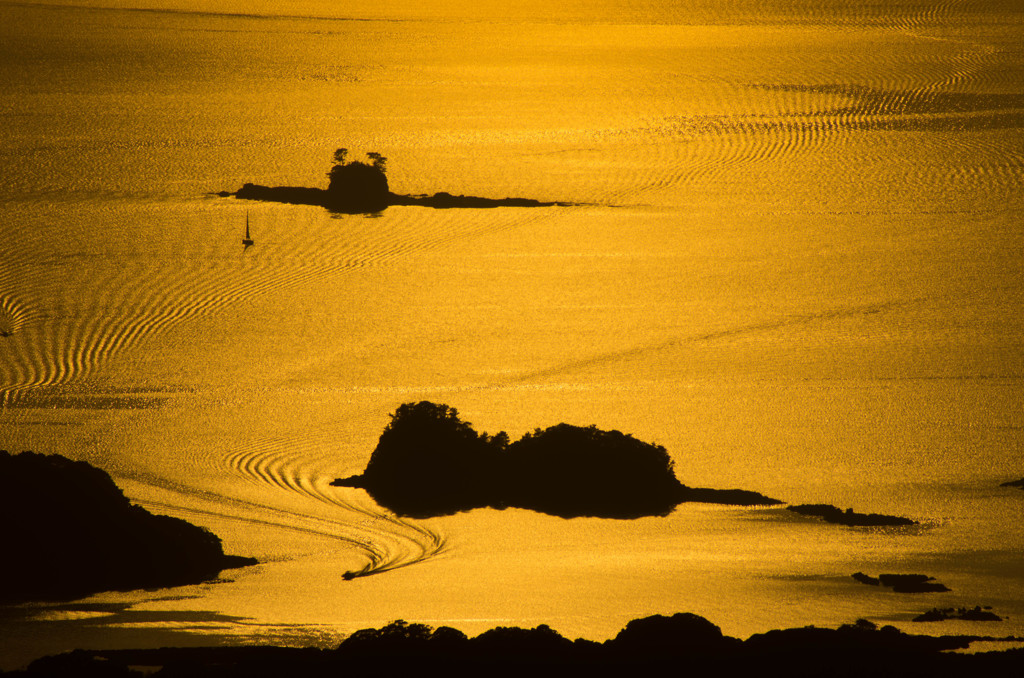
(428, 462)
(362, 188)
(69, 531)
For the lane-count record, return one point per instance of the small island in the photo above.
(832, 514)
(428, 462)
(903, 583)
(69, 532)
(977, 613)
(1019, 484)
(359, 187)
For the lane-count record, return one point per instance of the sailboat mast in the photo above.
(247, 240)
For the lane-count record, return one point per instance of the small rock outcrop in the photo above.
(832, 514)
(977, 613)
(903, 583)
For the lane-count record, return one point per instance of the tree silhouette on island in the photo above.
(428, 462)
(359, 187)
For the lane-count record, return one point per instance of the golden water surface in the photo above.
(793, 258)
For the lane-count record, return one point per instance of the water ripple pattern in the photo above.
(261, 514)
(956, 95)
(65, 309)
(389, 542)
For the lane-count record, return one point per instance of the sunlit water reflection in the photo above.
(794, 262)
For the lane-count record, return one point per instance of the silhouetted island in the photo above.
(977, 613)
(1014, 483)
(684, 644)
(832, 514)
(360, 188)
(903, 583)
(68, 531)
(428, 462)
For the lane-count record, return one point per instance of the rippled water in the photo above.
(794, 260)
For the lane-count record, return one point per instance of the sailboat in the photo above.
(247, 240)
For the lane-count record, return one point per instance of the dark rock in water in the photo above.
(428, 462)
(444, 200)
(832, 514)
(912, 583)
(977, 613)
(1014, 483)
(866, 579)
(903, 583)
(68, 531)
(295, 195)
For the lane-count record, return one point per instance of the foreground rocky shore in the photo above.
(684, 644)
(68, 531)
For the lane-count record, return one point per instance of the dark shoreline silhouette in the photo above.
(903, 583)
(833, 514)
(362, 188)
(428, 463)
(684, 642)
(1014, 483)
(69, 532)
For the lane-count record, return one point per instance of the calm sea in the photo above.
(794, 260)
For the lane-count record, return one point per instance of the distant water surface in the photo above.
(795, 262)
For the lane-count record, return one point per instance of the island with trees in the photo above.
(358, 187)
(69, 531)
(428, 462)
